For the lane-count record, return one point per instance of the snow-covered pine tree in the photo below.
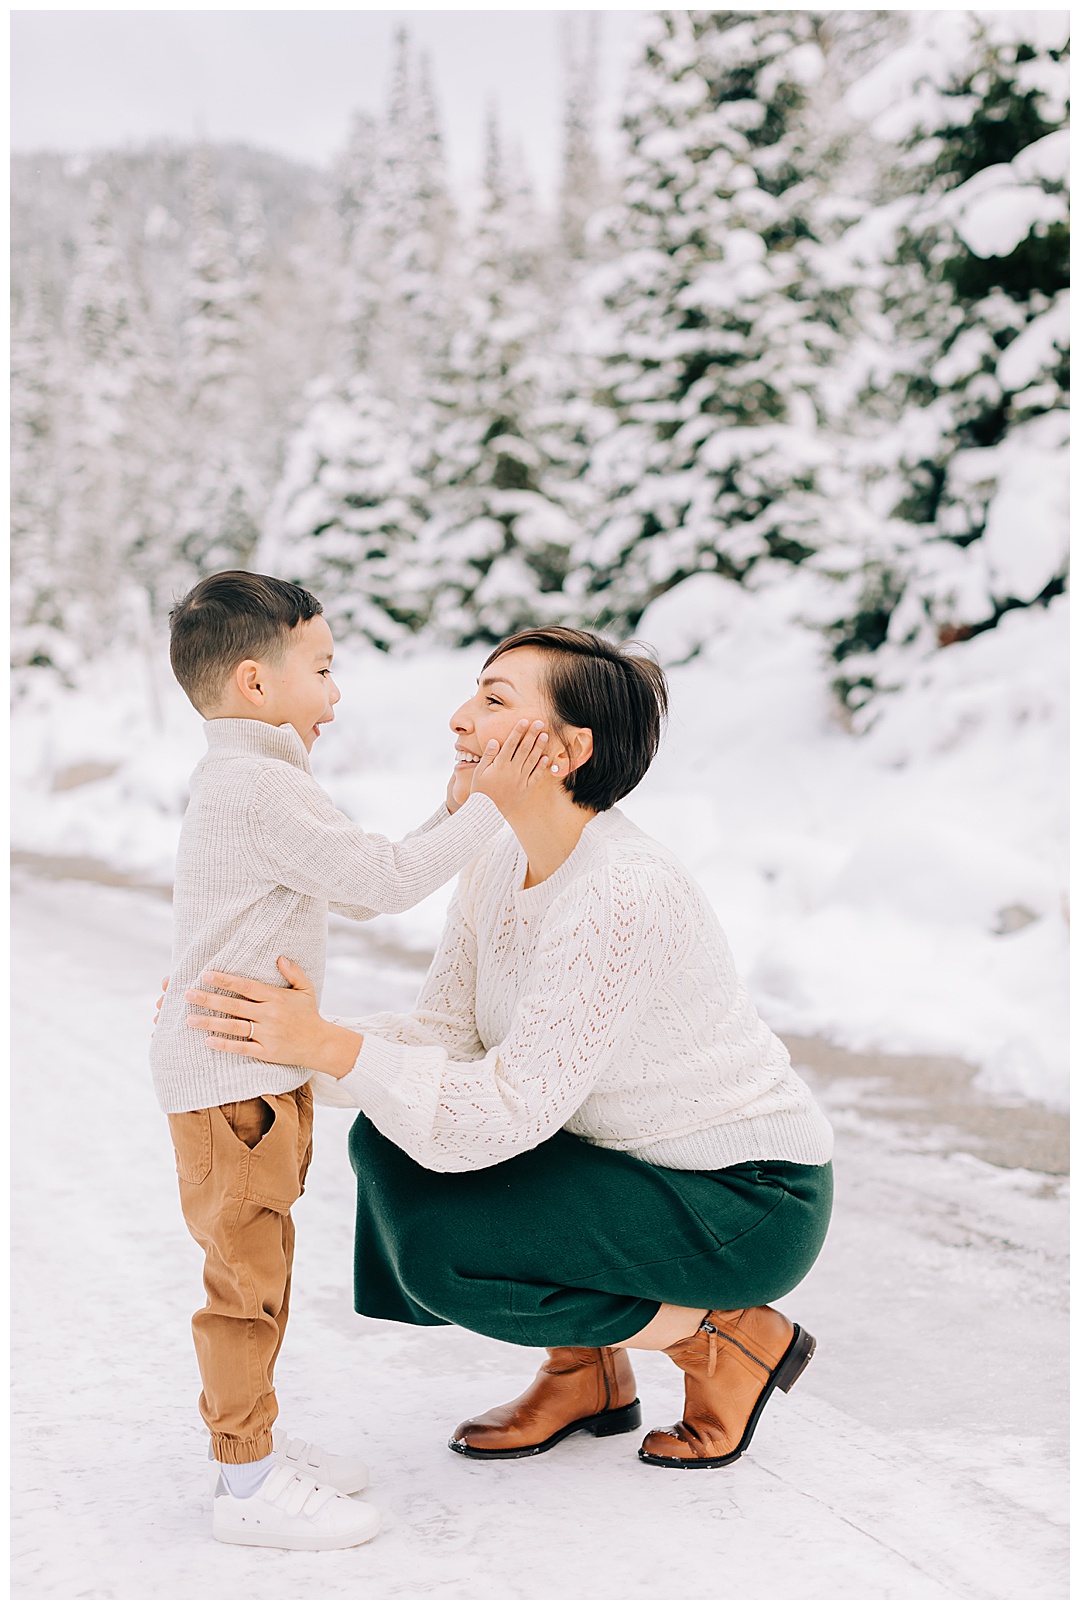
(714, 328)
(493, 554)
(565, 414)
(354, 210)
(352, 496)
(38, 592)
(400, 239)
(438, 214)
(965, 262)
(250, 240)
(347, 510)
(580, 187)
(354, 171)
(107, 437)
(222, 493)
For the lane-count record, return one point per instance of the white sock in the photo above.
(244, 1481)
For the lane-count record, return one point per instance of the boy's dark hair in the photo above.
(622, 697)
(230, 617)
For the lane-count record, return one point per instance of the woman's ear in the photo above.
(579, 746)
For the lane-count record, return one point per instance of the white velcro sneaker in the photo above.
(332, 1469)
(293, 1512)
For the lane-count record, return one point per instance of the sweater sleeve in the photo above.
(358, 913)
(601, 950)
(293, 835)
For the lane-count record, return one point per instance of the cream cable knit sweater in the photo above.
(263, 853)
(604, 1001)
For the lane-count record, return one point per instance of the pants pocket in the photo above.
(190, 1133)
(249, 1120)
(277, 1163)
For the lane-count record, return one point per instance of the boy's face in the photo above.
(298, 689)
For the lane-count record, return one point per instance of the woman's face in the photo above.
(509, 691)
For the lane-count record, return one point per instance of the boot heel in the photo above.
(614, 1421)
(795, 1359)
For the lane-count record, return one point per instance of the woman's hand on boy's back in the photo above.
(509, 774)
(271, 1023)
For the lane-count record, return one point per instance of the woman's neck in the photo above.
(548, 830)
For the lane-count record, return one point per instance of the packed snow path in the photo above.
(920, 1457)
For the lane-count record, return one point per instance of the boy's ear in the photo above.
(247, 679)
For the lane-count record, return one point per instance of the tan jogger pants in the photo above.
(241, 1167)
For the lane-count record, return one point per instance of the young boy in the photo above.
(263, 853)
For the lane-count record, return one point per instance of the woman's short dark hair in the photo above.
(232, 616)
(621, 696)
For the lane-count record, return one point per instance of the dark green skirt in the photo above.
(574, 1243)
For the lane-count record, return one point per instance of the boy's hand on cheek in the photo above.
(511, 774)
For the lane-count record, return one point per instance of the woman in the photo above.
(584, 1137)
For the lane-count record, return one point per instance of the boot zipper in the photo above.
(713, 1333)
(605, 1353)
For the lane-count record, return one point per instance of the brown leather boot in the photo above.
(733, 1363)
(577, 1389)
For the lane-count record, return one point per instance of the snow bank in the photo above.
(902, 889)
(905, 889)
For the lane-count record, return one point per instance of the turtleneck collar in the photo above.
(228, 738)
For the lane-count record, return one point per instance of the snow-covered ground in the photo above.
(921, 1456)
(902, 889)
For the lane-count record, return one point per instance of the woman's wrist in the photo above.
(338, 1051)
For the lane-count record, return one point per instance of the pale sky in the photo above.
(289, 80)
